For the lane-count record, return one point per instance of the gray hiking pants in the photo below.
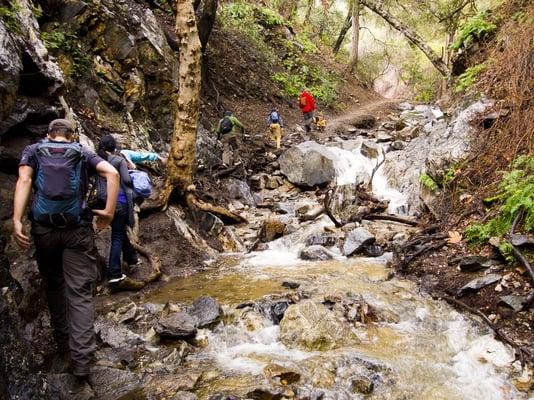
(67, 263)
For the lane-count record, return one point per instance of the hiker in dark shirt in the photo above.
(124, 216)
(58, 170)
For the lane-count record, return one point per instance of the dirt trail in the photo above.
(376, 108)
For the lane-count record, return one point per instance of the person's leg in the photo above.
(118, 232)
(278, 135)
(49, 256)
(79, 269)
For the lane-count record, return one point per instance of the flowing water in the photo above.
(417, 347)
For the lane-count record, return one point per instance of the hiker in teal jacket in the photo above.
(139, 157)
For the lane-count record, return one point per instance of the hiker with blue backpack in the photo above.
(58, 171)
(124, 217)
(276, 124)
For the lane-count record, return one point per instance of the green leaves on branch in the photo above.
(468, 78)
(516, 192)
(476, 28)
(8, 14)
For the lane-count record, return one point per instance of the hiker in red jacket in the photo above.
(307, 106)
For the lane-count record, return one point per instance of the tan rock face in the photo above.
(311, 326)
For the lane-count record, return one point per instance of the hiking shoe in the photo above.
(117, 280)
(126, 284)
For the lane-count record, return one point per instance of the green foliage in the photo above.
(303, 38)
(8, 14)
(321, 85)
(468, 78)
(424, 82)
(475, 28)
(268, 17)
(516, 192)
(64, 42)
(427, 181)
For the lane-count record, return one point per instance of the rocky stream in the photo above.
(298, 308)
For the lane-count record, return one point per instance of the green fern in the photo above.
(427, 181)
(475, 28)
(516, 192)
(468, 78)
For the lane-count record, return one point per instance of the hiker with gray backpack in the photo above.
(58, 171)
(134, 186)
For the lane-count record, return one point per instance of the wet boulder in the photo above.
(322, 239)
(208, 151)
(370, 149)
(281, 375)
(479, 283)
(362, 384)
(311, 326)
(356, 241)
(205, 311)
(316, 253)
(239, 190)
(308, 164)
(184, 396)
(475, 263)
(112, 383)
(272, 229)
(179, 325)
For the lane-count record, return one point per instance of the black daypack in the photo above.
(58, 198)
(226, 125)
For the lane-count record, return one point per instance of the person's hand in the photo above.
(18, 233)
(103, 219)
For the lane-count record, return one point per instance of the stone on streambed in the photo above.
(281, 375)
(370, 149)
(362, 384)
(179, 325)
(272, 229)
(291, 285)
(356, 240)
(316, 253)
(322, 239)
(184, 396)
(206, 312)
(308, 164)
(311, 326)
(112, 383)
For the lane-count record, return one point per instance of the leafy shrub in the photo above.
(67, 43)
(8, 14)
(516, 192)
(268, 17)
(468, 78)
(321, 85)
(427, 181)
(475, 28)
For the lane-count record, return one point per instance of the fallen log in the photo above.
(394, 218)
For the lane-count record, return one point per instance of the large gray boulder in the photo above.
(316, 253)
(179, 325)
(308, 164)
(356, 241)
(205, 311)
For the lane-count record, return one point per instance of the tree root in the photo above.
(405, 262)
(154, 260)
(227, 216)
(523, 353)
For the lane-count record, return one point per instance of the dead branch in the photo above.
(521, 351)
(405, 262)
(394, 218)
(328, 211)
(517, 253)
(377, 166)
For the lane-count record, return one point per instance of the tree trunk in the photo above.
(206, 21)
(355, 36)
(181, 161)
(344, 29)
(309, 9)
(412, 36)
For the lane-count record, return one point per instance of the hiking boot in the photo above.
(81, 389)
(125, 284)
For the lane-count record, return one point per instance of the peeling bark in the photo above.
(353, 62)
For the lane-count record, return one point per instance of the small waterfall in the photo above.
(354, 167)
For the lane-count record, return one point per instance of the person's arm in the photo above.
(21, 199)
(218, 130)
(281, 122)
(126, 155)
(110, 174)
(238, 123)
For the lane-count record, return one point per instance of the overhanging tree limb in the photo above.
(409, 34)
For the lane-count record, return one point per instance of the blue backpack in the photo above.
(142, 184)
(58, 200)
(274, 117)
